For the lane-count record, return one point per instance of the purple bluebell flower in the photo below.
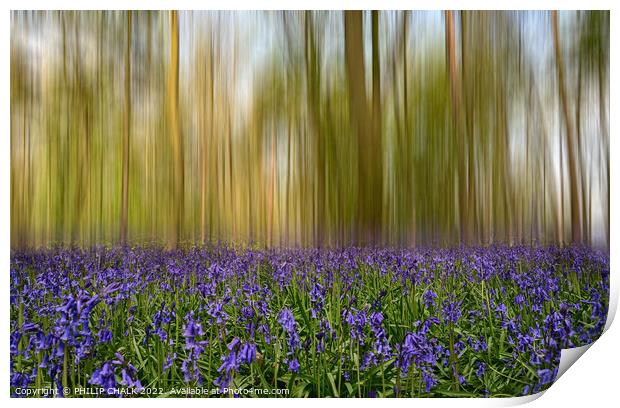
(429, 298)
(480, 369)
(451, 311)
(104, 376)
(287, 320)
(247, 353)
(169, 361)
(293, 365)
(429, 380)
(546, 375)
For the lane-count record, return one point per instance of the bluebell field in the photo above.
(317, 322)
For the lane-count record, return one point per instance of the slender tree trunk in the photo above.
(212, 146)
(175, 131)
(456, 121)
(289, 165)
(369, 145)
(562, 216)
(408, 157)
(313, 86)
(377, 210)
(572, 149)
(207, 137)
(272, 182)
(126, 134)
(581, 162)
(230, 175)
(472, 214)
(605, 144)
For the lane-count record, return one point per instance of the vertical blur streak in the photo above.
(574, 199)
(178, 192)
(456, 119)
(309, 128)
(127, 133)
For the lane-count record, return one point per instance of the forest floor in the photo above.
(356, 322)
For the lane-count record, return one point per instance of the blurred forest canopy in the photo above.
(309, 128)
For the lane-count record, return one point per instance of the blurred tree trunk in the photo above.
(204, 158)
(562, 237)
(456, 121)
(150, 152)
(288, 220)
(61, 145)
(369, 145)
(100, 87)
(572, 153)
(126, 134)
(206, 115)
(272, 185)
(313, 88)
(175, 131)
(83, 99)
(604, 134)
(408, 140)
(212, 145)
(376, 76)
(230, 174)
(472, 214)
(581, 160)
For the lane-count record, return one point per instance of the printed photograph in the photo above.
(306, 204)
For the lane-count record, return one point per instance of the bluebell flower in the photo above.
(429, 298)
(287, 320)
(169, 361)
(480, 369)
(293, 365)
(451, 311)
(247, 353)
(429, 380)
(546, 376)
(104, 376)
